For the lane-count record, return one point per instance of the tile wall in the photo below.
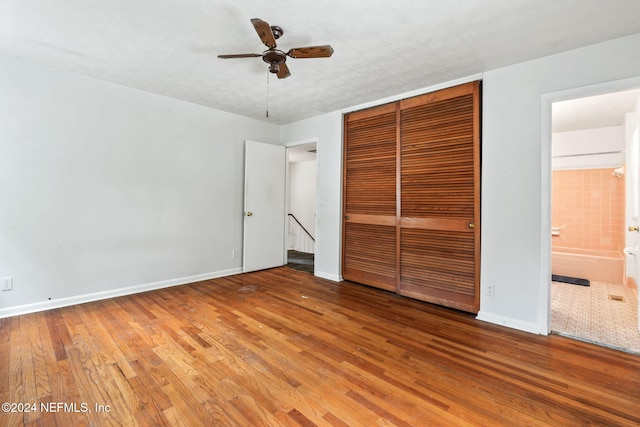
(588, 206)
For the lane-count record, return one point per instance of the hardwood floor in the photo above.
(282, 347)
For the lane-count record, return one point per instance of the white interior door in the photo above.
(264, 206)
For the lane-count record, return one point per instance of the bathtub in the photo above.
(585, 264)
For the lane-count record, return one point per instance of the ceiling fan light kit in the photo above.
(277, 58)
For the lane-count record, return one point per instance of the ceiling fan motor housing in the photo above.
(274, 57)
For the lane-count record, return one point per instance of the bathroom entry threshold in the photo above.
(569, 280)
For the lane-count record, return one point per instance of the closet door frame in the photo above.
(400, 222)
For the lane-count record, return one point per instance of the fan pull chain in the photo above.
(267, 93)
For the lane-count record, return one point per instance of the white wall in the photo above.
(516, 168)
(327, 130)
(106, 190)
(302, 203)
(588, 148)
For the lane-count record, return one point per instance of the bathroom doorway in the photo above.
(594, 260)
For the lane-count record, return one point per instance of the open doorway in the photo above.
(302, 184)
(594, 234)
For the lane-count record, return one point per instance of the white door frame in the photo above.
(288, 190)
(547, 101)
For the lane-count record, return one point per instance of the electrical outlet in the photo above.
(491, 290)
(6, 283)
(234, 253)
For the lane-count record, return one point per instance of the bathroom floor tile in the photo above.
(603, 313)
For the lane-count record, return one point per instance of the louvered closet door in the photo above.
(370, 210)
(440, 197)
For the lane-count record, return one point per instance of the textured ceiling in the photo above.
(382, 48)
(594, 111)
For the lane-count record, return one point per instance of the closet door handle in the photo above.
(471, 225)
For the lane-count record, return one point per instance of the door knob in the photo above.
(471, 225)
(248, 213)
(634, 228)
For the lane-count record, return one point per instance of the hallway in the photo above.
(301, 261)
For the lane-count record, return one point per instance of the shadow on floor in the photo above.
(301, 261)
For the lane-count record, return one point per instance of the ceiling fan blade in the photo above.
(311, 52)
(264, 32)
(283, 71)
(241, 55)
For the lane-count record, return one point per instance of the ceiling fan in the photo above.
(276, 58)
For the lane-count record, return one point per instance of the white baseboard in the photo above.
(328, 276)
(96, 296)
(508, 322)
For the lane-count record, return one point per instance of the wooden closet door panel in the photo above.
(439, 267)
(438, 165)
(370, 208)
(370, 163)
(370, 255)
(439, 196)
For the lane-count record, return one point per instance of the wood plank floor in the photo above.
(281, 347)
